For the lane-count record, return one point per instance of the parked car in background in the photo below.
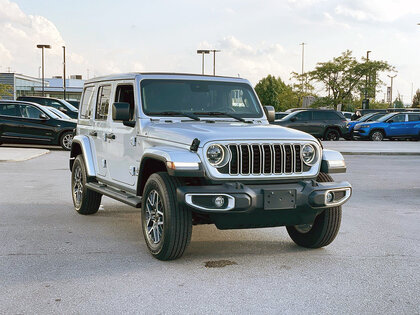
(30, 123)
(393, 125)
(325, 124)
(74, 103)
(61, 114)
(280, 115)
(365, 118)
(348, 115)
(60, 104)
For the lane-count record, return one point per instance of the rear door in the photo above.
(35, 128)
(319, 123)
(413, 125)
(10, 122)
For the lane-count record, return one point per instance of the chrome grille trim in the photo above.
(265, 159)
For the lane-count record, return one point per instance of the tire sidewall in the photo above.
(78, 162)
(377, 131)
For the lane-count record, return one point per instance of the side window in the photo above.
(102, 102)
(10, 110)
(318, 115)
(54, 104)
(125, 93)
(29, 111)
(332, 116)
(86, 104)
(398, 118)
(414, 117)
(303, 116)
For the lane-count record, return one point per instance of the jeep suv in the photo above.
(324, 124)
(193, 149)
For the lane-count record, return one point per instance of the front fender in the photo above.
(332, 162)
(81, 145)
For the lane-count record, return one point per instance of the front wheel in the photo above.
(166, 224)
(377, 135)
(323, 230)
(66, 139)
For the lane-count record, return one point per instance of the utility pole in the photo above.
(365, 102)
(392, 81)
(203, 52)
(411, 94)
(64, 71)
(214, 60)
(42, 46)
(303, 62)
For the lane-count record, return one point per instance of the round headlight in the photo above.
(215, 155)
(308, 153)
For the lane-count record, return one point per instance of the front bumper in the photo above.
(361, 133)
(246, 206)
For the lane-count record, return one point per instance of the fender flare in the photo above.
(81, 145)
(332, 162)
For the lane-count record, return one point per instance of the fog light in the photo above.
(330, 197)
(219, 201)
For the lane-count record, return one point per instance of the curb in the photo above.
(382, 153)
(25, 159)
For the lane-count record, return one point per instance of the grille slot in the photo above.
(264, 159)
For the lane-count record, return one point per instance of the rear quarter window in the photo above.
(86, 106)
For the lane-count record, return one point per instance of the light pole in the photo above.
(303, 61)
(203, 52)
(392, 81)
(366, 101)
(64, 72)
(42, 46)
(214, 60)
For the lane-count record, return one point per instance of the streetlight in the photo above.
(42, 46)
(203, 52)
(366, 100)
(392, 80)
(64, 72)
(214, 60)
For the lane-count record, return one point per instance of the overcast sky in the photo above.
(256, 37)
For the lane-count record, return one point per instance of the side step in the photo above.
(119, 195)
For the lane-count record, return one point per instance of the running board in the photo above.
(119, 195)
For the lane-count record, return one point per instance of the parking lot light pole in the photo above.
(42, 46)
(214, 60)
(64, 72)
(392, 80)
(203, 52)
(366, 101)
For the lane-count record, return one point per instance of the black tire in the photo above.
(376, 135)
(85, 201)
(331, 135)
(324, 229)
(65, 140)
(173, 218)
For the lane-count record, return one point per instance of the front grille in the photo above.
(263, 159)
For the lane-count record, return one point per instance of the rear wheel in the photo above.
(66, 139)
(377, 135)
(85, 201)
(332, 135)
(323, 230)
(166, 224)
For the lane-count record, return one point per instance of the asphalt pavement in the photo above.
(53, 260)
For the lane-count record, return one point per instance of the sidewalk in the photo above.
(20, 154)
(374, 148)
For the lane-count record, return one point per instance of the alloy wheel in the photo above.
(77, 185)
(67, 140)
(377, 136)
(303, 228)
(154, 217)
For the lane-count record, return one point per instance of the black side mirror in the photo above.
(270, 113)
(43, 116)
(293, 119)
(63, 109)
(122, 111)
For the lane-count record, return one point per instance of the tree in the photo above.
(344, 76)
(273, 91)
(5, 90)
(416, 99)
(398, 102)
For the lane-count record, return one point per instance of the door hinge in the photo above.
(133, 141)
(103, 163)
(134, 171)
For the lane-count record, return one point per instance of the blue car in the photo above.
(364, 118)
(393, 125)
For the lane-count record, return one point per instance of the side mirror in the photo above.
(121, 111)
(270, 113)
(43, 116)
(63, 109)
(293, 119)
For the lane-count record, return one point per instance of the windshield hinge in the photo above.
(194, 145)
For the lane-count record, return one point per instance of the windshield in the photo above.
(383, 118)
(50, 113)
(201, 98)
(365, 117)
(58, 113)
(69, 106)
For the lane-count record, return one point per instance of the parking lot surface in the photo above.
(53, 260)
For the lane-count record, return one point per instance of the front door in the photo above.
(396, 126)
(122, 149)
(33, 128)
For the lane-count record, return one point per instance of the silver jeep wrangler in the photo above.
(193, 149)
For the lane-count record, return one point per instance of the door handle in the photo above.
(110, 136)
(93, 133)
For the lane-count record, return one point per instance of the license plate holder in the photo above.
(279, 199)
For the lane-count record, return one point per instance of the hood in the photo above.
(186, 132)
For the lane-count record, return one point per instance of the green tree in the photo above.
(398, 103)
(344, 77)
(273, 91)
(5, 90)
(416, 99)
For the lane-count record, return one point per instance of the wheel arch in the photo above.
(334, 128)
(81, 145)
(377, 129)
(149, 165)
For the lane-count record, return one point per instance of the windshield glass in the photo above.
(383, 118)
(69, 106)
(50, 113)
(58, 113)
(365, 117)
(205, 98)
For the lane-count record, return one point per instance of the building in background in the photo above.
(23, 85)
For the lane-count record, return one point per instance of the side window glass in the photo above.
(30, 112)
(303, 116)
(414, 117)
(125, 93)
(10, 110)
(398, 118)
(54, 104)
(102, 103)
(86, 105)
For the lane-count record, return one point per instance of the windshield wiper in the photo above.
(223, 114)
(170, 113)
